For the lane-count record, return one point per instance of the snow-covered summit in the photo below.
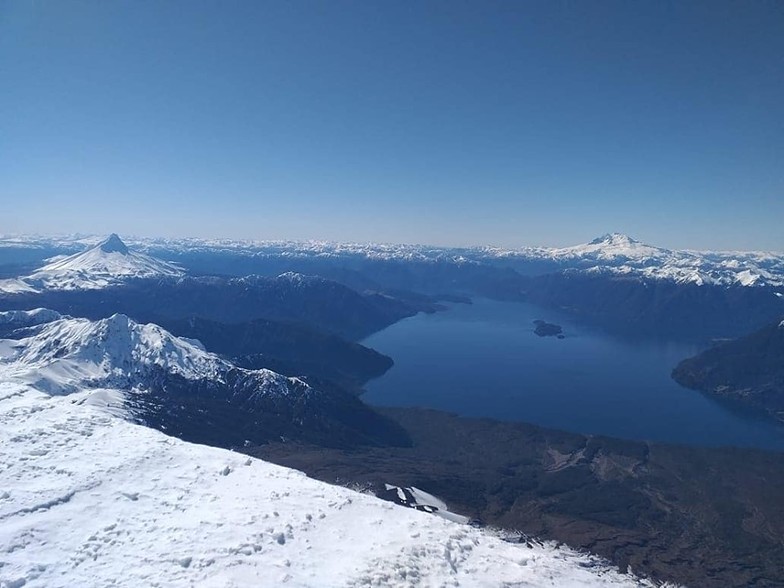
(67, 353)
(113, 244)
(613, 246)
(105, 264)
(619, 254)
(615, 240)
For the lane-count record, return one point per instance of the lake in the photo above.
(484, 360)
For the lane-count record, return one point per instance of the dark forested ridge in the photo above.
(748, 370)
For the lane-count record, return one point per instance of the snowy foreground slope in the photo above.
(89, 499)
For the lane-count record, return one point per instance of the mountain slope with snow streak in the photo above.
(68, 353)
(88, 499)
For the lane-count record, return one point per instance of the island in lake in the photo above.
(545, 329)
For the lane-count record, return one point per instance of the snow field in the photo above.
(88, 499)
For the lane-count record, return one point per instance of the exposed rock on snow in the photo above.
(413, 497)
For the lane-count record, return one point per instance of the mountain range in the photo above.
(613, 252)
(92, 493)
(614, 281)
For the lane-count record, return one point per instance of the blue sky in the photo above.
(508, 123)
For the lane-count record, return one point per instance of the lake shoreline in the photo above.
(484, 360)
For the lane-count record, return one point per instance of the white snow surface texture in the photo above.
(90, 499)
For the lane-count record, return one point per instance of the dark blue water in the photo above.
(483, 360)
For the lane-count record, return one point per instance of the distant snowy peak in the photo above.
(117, 352)
(106, 264)
(612, 253)
(615, 240)
(619, 254)
(113, 244)
(612, 246)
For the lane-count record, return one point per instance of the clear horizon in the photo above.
(98, 236)
(452, 124)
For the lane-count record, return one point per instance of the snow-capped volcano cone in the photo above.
(106, 264)
(615, 240)
(113, 244)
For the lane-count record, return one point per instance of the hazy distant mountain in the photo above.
(613, 252)
(14, 320)
(108, 263)
(613, 281)
(639, 306)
